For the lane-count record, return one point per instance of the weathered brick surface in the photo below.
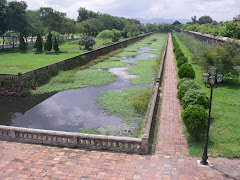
(171, 161)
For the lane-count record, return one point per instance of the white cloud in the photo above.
(217, 9)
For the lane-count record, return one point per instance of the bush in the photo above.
(195, 97)
(86, 41)
(140, 102)
(186, 71)
(178, 53)
(180, 63)
(181, 81)
(38, 44)
(185, 59)
(55, 45)
(195, 120)
(185, 86)
(48, 44)
(22, 44)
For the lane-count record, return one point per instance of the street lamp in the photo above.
(211, 85)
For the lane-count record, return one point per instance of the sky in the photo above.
(219, 10)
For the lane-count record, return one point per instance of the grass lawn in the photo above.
(224, 136)
(12, 61)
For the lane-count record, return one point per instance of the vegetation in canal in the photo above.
(130, 104)
(224, 134)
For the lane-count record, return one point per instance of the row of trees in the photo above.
(207, 25)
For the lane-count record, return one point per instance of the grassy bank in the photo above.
(224, 134)
(13, 61)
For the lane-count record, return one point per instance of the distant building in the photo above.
(237, 18)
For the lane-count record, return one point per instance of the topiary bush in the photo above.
(185, 59)
(195, 120)
(178, 53)
(185, 86)
(179, 63)
(195, 97)
(186, 71)
(181, 81)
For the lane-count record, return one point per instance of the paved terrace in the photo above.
(170, 161)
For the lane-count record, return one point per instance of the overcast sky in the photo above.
(220, 10)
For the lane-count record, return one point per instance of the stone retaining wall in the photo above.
(208, 37)
(20, 84)
(88, 141)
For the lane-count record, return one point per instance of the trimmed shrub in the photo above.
(186, 71)
(185, 59)
(38, 44)
(195, 120)
(195, 97)
(178, 53)
(22, 43)
(179, 63)
(55, 45)
(86, 41)
(181, 81)
(48, 44)
(185, 86)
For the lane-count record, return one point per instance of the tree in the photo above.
(22, 43)
(55, 45)
(176, 23)
(194, 19)
(3, 10)
(48, 44)
(205, 20)
(105, 35)
(133, 30)
(50, 18)
(38, 44)
(86, 41)
(116, 35)
(118, 24)
(16, 17)
(151, 27)
(82, 14)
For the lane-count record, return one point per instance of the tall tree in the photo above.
(22, 43)
(50, 18)
(82, 14)
(3, 11)
(205, 20)
(194, 19)
(38, 44)
(48, 44)
(16, 17)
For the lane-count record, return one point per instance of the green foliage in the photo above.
(195, 97)
(183, 58)
(180, 63)
(195, 120)
(22, 44)
(38, 44)
(186, 71)
(86, 41)
(205, 20)
(105, 35)
(224, 57)
(181, 81)
(140, 102)
(116, 35)
(178, 53)
(48, 44)
(55, 45)
(185, 86)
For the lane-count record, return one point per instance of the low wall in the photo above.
(208, 37)
(89, 141)
(19, 84)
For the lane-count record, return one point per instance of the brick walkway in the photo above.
(171, 160)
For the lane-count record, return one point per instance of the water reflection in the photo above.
(67, 110)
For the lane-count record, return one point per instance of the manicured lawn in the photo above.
(12, 61)
(224, 134)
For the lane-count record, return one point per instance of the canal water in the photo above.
(70, 109)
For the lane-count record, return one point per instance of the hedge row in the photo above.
(194, 101)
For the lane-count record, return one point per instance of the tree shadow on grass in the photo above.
(230, 83)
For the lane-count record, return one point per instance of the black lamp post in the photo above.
(211, 85)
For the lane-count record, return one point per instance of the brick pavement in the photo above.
(171, 160)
